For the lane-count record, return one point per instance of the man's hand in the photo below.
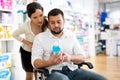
(57, 58)
(67, 57)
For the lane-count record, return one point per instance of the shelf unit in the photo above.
(6, 26)
(6, 40)
(98, 45)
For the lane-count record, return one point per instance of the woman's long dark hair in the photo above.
(45, 24)
(31, 7)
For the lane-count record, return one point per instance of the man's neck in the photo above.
(58, 35)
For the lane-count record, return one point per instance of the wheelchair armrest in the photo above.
(42, 70)
(46, 72)
(90, 65)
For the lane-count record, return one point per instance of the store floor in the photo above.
(106, 65)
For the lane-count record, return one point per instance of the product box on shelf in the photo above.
(5, 61)
(5, 74)
(6, 17)
(5, 32)
(6, 4)
(1, 32)
(118, 48)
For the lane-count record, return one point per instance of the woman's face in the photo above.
(37, 17)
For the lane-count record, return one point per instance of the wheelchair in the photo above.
(44, 72)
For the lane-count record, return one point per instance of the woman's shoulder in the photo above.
(25, 24)
(43, 33)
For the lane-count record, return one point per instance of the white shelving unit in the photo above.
(6, 41)
(7, 25)
(8, 45)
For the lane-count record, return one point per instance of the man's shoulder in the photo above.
(69, 33)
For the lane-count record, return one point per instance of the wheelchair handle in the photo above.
(90, 65)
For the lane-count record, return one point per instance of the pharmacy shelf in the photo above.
(4, 24)
(6, 10)
(10, 39)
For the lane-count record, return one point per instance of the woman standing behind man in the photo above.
(30, 29)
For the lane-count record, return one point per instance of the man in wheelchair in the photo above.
(59, 60)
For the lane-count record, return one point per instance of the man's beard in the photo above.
(58, 32)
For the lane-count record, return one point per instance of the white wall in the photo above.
(113, 10)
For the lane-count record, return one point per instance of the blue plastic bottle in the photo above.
(56, 48)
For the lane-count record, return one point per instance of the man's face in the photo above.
(56, 24)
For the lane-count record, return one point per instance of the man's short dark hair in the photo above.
(55, 12)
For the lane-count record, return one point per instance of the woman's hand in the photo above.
(28, 43)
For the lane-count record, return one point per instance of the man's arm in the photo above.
(76, 58)
(53, 60)
(40, 63)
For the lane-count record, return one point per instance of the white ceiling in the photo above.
(108, 1)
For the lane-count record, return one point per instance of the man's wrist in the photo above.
(49, 62)
(72, 58)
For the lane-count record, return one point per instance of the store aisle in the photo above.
(16, 69)
(106, 65)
